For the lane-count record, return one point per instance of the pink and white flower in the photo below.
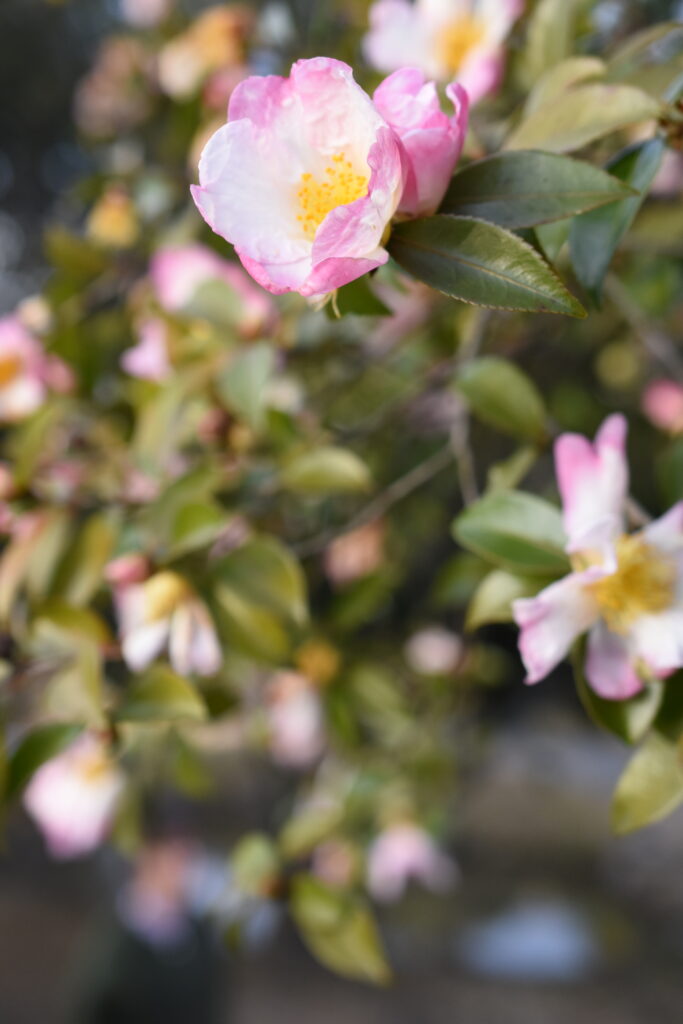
(303, 179)
(626, 590)
(74, 796)
(296, 724)
(403, 853)
(26, 372)
(446, 39)
(178, 272)
(149, 358)
(662, 403)
(164, 611)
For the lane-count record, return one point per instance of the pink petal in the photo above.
(609, 668)
(658, 640)
(551, 622)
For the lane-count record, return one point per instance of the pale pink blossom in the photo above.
(303, 179)
(662, 403)
(434, 651)
(165, 612)
(403, 853)
(296, 724)
(26, 372)
(178, 272)
(355, 554)
(74, 796)
(432, 140)
(145, 13)
(127, 569)
(626, 590)
(461, 40)
(149, 358)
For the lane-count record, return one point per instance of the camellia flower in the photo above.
(663, 405)
(447, 39)
(165, 610)
(178, 272)
(215, 40)
(626, 589)
(295, 720)
(149, 358)
(405, 852)
(26, 371)
(73, 797)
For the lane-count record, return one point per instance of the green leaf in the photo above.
(243, 385)
(630, 719)
(508, 474)
(195, 526)
(549, 36)
(339, 930)
(527, 187)
(595, 236)
(254, 630)
(73, 255)
(80, 574)
(267, 573)
(71, 639)
(651, 786)
(563, 76)
(34, 750)
(256, 864)
(502, 396)
(492, 600)
(517, 531)
(308, 828)
(161, 696)
(585, 114)
(480, 263)
(651, 59)
(326, 470)
(359, 299)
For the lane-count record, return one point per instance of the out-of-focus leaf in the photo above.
(552, 238)
(527, 187)
(161, 696)
(480, 263)
(266, 572)
(629, 720)
(251, 628)
(363, 600)
(651, 59)
(72, 638)
(35, 749)
(518, 531)
(595, 236)
(651, 786)
(504, 397)
(80, 574)
(73, 255)
(550, 36)
(256, 865)
(359, 299)
(195, 526)
(326, 470)
(492, 600)
(556, 80)
(339, 930)
(302, 833)
(47, 550)
(509, 473)
(585, 114)
(243, 385)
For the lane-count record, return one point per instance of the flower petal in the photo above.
(143, 643)
(397, 36)
(658, 640)
(551, 621)
(609, 668)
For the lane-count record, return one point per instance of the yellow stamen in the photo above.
(457, 39)
(339, 186)
(642, 585)
(10, 368)
(163, 593)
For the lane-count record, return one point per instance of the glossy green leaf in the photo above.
(267, 573)
(492, 600)
(161, 695)
(326, 470)
(550, 34)
(585, 114)
(70, 640)
(339, 930)
(501, 395)
(250, 628)
(35, 749)
(480, 263)
(651, 786)
(563, 76)
(359, 299)
(518, 531)
(196, 525)
(595, 236)
(80, 575)
(528, 187)
(243, 384)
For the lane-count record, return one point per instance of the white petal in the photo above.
(551, 621)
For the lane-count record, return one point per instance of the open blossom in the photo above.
(73, 797)
(296, 723)
(164, 611)
(447, 39)
(662, 403)
(178, 272)
(626, 590)
(26, 371)
(403, 853)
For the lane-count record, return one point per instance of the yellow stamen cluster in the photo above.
(10, 368)
(457, 39)
(95, 766)
(163, 593)
(340, 186)
(642, 585)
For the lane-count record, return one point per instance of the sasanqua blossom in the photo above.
(447, 39)
(27, 372)
(73, 797)
(404, 852)
(626, 590)
(307, 174)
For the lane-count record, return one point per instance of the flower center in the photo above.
(10, 368)
(642, 585)
(340, 185)
(94, 767)
(457, 39)
(163, 593)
